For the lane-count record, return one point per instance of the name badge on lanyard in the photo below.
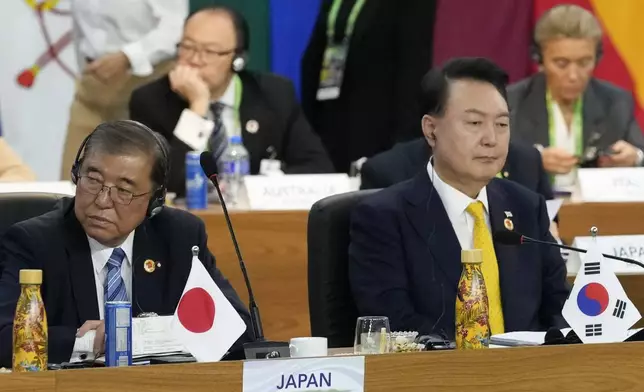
(335, 55)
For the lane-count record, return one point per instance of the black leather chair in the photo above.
(16, 207)
(332, 310)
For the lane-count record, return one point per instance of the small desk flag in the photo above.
(205, 322)
(598, 309)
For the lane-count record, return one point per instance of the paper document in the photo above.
(553, 207)
(531, 338)
(519, 338)
(151, 336)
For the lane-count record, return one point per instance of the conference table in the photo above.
(584, 368)
(274, 246)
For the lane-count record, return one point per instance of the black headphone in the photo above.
(157, 201)
(535, 49)
(537, 57)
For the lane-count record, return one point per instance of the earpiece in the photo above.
(239, 63)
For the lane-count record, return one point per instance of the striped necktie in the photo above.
(114, 285)
(490, 267)
(218, 140)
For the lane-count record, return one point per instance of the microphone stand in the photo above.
(260, 348)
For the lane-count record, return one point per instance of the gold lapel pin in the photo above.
(149, 266)
(508, 224)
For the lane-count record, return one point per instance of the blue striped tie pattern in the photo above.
(218, 139)
(114, 285)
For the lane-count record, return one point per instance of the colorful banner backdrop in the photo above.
(500, 30)
(36, 80)
(623, 59)
(291, 25)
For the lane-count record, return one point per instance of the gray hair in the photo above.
(124, 137)
(567, 21)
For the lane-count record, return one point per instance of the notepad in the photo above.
(151, 336)
(530, 338)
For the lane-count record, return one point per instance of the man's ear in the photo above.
(428, 124)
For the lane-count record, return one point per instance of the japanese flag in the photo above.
(598, 309)
(205, 322)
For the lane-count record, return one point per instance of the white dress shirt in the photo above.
(564, 139)
(100, 256)
(456, 203)
(195, 131)
(146, 31)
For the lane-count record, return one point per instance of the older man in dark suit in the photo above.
(209, 97)
(105, 234)
(573, 118)
(406, 240)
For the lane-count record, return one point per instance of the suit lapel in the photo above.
(532, 121)
(429, 218)
(255, 119)
(593, 114)
(81, 268)
(363, 22)
(148, 285)
(507, 256)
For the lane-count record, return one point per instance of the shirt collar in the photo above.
(455, 201)
(101, 253)
(228, 99)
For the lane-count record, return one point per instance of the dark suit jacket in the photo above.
(56, 243)
(405, 259)
(268, 99)
(608, 114)
(390, 51)
(405, 160)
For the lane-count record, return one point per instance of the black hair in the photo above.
(242, 31)
(434, 87)
(126, 137)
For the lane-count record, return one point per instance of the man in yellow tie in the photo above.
(406, 240)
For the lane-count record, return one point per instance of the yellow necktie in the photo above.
(490, 267)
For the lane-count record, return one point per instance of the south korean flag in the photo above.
(598, 309)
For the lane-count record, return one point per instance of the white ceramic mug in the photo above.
(308, 347)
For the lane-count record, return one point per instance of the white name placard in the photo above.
(629, 246)
(65, 188)
(315, 374)
(612, 184)
(293, 192)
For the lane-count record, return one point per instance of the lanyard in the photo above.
(333, 16)
(576, 126)
(238, 92)
(238, 98)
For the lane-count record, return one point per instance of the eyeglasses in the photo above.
(208, 55)
(117, 194)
